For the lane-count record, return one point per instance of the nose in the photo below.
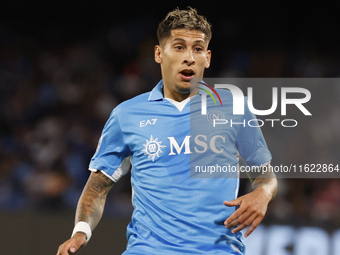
(189, 58)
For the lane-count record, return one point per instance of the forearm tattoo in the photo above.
(92, 201)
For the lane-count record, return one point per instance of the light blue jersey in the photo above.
(174, 212)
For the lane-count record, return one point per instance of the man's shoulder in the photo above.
(135, 102)
(224, 93)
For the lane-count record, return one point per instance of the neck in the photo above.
(177, 96)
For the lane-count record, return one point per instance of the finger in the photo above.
(249, 220)
(233, 217)
(77, 244)
(73, 249)
(234, 202)
(72, 245)
(254, 225)
(246, 217)
(63, 250)
(240, 219)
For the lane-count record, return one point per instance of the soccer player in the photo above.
(174, 212)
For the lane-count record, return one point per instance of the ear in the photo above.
(158, 54)
(207, 64)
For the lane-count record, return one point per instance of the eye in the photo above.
(179, 47)
(198, 49)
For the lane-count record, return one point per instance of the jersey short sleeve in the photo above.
(250, 141)
(112, 156)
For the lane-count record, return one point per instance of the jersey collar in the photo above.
(157, 92)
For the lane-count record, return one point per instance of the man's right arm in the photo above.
(89, 209)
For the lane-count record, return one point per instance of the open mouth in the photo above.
(187, 74)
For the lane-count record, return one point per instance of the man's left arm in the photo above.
(252, 206)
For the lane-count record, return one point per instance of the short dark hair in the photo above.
(187, 19)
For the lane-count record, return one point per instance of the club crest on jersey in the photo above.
(152, 148)
(215, 115)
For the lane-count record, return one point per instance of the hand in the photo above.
(72, 245)
(253, 207)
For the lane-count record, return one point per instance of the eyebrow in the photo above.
(182, 40)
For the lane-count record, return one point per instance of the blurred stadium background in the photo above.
(65, 64)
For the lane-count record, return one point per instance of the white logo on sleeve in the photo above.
(152, 148)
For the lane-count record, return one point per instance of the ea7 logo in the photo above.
(144, 123)
(238, 100)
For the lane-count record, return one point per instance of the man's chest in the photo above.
(155, 136)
